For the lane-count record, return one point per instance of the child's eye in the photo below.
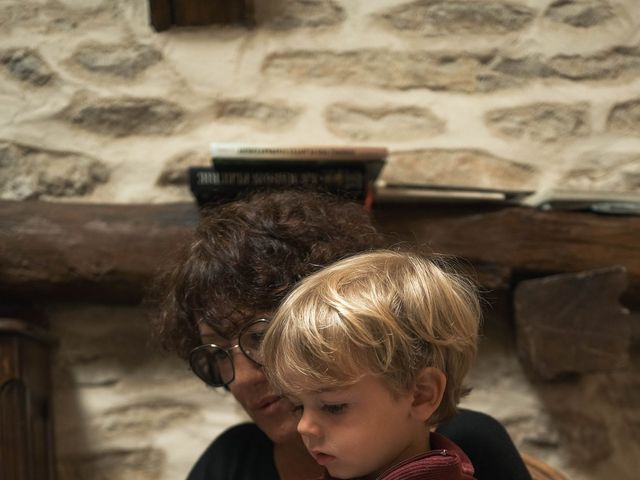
(298, 409)
(335, 408)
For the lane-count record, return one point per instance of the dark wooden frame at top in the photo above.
(165, 14)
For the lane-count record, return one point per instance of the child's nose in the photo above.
(308, 426)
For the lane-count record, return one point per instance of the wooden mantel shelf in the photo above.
(111, 253)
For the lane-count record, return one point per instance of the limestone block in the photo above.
(383, 123)
(445, 17)
(527, 67)
(584, 435)
(53, 17)
(541, 122)
(541, 433)
(604, 65)
(464, 167)
(29, 171)
(626, 394)
(174, 171)
(580, 13)
(610, 64)
(445, 70)
(604, 171)
(290, 14)
(123, 61)
(147, 418)
(88, 369)
(26, 65)
(100, 352)
(124, 116)
(263, 115)
(573, 323)
(402, 70)
(624, 118)
(140, 464)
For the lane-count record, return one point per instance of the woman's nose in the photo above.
(308, 426)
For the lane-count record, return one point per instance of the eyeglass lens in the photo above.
(250, 340)
(214, 364)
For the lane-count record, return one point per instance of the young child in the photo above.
(372, 352)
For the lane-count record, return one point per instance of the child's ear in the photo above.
(427, 393)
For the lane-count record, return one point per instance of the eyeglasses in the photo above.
(214, 364)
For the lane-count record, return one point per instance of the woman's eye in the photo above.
(334, 409)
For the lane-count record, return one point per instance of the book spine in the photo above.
(346, 179)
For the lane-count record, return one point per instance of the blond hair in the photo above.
(386, 313)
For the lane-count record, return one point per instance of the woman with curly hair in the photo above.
(243, 259)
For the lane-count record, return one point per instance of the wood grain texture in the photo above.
(111, 252)
(87, 252)
(523, 241)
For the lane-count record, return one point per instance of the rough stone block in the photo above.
(610, 64)
(444, 17)
(580, 13)
(50, 18)
(115, 60)
(146, 418)
(402, 70)
(291, 14)
(124, 116)
(604, 171)
(474, 168)
(27, 65)
(263, 115)
(446, 70)
(142, 464)
(29, 172)
(382, 123)
(542, 122)
(573, 323)
(585, 436)
(624, 118)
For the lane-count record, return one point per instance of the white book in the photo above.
(296, 152)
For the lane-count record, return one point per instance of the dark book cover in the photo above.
(240, 169)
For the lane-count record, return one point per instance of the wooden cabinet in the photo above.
(26, 427)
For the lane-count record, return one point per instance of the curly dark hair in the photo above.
(245, 257)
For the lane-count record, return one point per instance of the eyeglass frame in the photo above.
(228, 352)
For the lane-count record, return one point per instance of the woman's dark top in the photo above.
(244, 452)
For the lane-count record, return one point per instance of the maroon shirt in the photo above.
(445, 461)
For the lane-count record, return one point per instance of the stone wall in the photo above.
(97, 107)
(521, 94)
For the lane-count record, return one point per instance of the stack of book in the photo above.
(239, 169)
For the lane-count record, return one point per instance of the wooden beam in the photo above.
(87, 252)
(527, 242)
(111, 252)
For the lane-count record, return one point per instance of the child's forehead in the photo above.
(299, 384)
